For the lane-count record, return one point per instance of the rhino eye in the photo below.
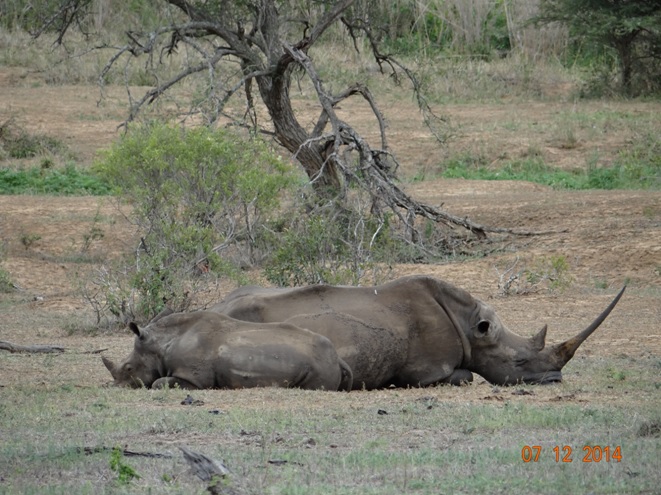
(520, 362)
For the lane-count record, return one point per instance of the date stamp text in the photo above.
(565, 453)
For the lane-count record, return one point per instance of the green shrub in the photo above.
(327, 246)
(347, 245)
(6, 285)
(16, 142)
(32, 15)
(200, 201)
(125, 473)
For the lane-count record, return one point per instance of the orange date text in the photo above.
(565, 453)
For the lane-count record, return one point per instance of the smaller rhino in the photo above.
(204, 350)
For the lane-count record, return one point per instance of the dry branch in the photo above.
(125, 452)
(376, 176)
(37, 348)
(210, 471)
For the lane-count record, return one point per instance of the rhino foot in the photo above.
(458, 377)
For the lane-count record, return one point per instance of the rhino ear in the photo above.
(482, 328)
(135, 329)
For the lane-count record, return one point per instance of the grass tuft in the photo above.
(650, 429)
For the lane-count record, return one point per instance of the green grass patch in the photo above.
(67, 181)
(633, 169)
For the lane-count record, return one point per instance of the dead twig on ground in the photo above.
(210, 471)
(36, 348)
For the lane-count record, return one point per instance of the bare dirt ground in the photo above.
(609, 238)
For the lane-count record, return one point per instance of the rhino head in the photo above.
(141, 368)
(505, 358)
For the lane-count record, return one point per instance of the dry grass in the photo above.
(465, 439)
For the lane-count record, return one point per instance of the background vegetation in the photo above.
(201, 207)
(201, 200)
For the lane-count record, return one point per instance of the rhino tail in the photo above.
(347, 376)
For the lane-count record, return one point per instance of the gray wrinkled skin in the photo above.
(203, 350)
(415, 331)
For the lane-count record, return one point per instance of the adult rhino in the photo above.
(415, 331)
(202, 350)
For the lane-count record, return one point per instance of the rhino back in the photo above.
(402, 332)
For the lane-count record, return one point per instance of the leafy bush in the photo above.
(46, 178)
(200, 201)
(16, 142)
(125, 472)
(346, 245)
(329, 245)
(33, 15)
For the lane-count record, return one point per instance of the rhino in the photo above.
(203, 350)
(414, 331)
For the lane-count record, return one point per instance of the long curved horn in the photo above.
(565, 351)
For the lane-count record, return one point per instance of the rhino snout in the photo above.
(546, 378)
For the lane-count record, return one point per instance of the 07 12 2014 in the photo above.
(565, 453)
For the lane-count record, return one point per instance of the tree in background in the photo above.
(255, 50)
(631, 28)
(235, 62)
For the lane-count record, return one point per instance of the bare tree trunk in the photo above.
(289, 133)
(626, 65)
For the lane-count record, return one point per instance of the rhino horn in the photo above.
(109, 364)
(565, 351)
(539, 340)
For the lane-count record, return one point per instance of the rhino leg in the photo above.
(172, 382)
(458, 377)
(347, 376)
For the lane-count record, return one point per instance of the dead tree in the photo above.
(269, 45)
